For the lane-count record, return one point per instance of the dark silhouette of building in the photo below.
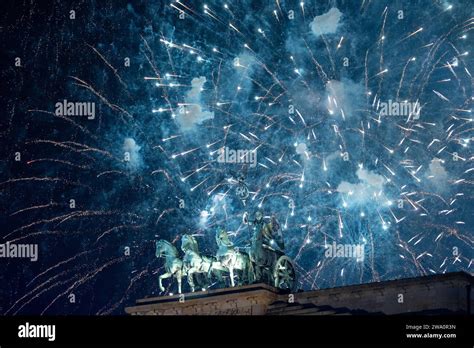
(435, 294)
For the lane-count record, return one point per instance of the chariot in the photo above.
(277, 269)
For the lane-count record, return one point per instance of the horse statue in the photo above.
(195, 263)
(231, 259)
(173, 264)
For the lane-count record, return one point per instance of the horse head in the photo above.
(188, 242)
(222, 238)
(163, 248)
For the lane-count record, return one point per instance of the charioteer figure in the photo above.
(265, 237)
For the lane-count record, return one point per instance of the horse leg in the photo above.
(241, 279)
(161, 277)
(231, 271)
(251, 272)
(238, 277)
(218, 274)
(191, 280)
(209, 276)
(242, 276)
(178, 278)
(246, 269)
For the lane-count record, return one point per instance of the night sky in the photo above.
(306, 86)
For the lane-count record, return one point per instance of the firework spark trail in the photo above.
(107, 172)
(117, 228)
(41, 206)
(55, 283)
(78, 166)
(402, 77)
(164, 172)
(54, 280)
(61, 219)
(64, 145)
(83, 280)
(42, 179)
(163, 213)
(87, 148)
(59, 264)
(43, 233)
(75, 124)
(109, 309)
(425, 73)
(151, 61)
(114, 107)
(114, 70)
